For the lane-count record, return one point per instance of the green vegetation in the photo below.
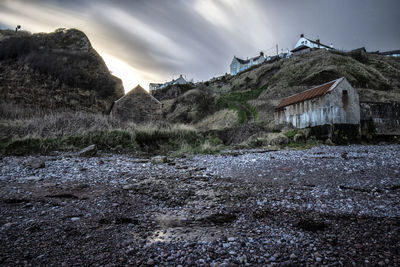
(238, 101)
(71, 132)
(291, 134)
(209, 145)
(115, 140)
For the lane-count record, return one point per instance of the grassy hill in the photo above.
(53, 71)
(253, 94)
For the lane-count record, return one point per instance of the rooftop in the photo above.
(246, 61)
(309, 94)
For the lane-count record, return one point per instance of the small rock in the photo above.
(89, 151)
(159, 159)
(150, 262)
(49, 185)
(128, 187)
(31, 179)
(329, 142)
(35, 163)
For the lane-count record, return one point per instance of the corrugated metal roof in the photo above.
(308, 94)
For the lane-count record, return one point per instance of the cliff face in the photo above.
(54, 71)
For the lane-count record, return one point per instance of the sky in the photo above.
(145, 41)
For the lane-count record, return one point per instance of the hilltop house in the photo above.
(304, 45)
(335, 102)
(238, 65)
(394, 53)
(137, 106)
(156, 86)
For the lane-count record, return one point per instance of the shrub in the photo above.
(16, 47)
(291, 134)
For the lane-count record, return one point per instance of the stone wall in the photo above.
(337, 133)
(137, 106)
(380, 118)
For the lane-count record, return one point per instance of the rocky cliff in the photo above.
(53, 71)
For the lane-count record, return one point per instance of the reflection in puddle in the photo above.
(185, 234)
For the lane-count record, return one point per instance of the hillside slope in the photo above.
(260, 89)
(53, 71)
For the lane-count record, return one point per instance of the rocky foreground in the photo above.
(324, 206)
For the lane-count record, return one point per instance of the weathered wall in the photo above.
(380, 118)
(332, 108)
(338, 133)
(137, 106)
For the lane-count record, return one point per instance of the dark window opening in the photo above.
(345, 99)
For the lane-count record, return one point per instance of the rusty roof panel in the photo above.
(308, 94)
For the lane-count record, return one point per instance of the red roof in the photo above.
(308, 94)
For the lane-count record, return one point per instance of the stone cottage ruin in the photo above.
(335, 102)
(137, 106)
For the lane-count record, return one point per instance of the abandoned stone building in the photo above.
(137, 106)
(335, 102)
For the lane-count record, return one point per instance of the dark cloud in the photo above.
(199, 37)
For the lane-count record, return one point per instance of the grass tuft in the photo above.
(74, 131)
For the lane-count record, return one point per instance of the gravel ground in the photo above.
(329, 206)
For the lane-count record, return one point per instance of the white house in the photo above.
(156, 86)
(238, 65)
(335, 102)
(304, 45)
(394, 53)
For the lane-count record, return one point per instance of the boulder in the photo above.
(299, 138)
(276, 139)
(159, 159)
(89, 151)
(266, 139)
(35, 163)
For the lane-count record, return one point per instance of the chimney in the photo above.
(302, 35)
(180, 76)
(262, 53)
(318, 41)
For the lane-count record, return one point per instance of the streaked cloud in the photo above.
(146, 41)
